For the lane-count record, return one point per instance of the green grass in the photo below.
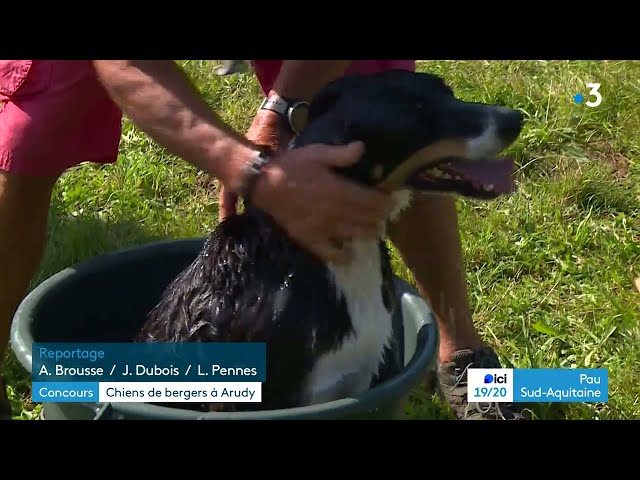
(550, 268)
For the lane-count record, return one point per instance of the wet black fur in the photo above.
(252, 284)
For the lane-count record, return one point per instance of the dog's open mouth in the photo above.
(485, 179)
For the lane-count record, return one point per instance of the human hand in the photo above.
(315, 206)
(267, 130)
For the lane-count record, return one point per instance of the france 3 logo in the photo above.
(593, 93)
(490, 384)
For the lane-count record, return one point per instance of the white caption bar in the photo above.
(490, 385)
(147, 392)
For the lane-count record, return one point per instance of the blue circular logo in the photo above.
(488, 378)
(578, 98)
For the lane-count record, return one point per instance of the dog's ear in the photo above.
(331, 93)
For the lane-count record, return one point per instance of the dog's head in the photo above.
(417, 135)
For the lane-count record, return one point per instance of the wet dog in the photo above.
(330, 330)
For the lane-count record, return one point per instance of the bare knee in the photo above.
(427, 230)
(432, 212)
(24, 208)
(22, 196)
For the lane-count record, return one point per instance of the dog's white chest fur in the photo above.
(350, 369)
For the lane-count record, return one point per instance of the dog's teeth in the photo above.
(436, 172)
(446, 176)
(457, 177)
(488, 188)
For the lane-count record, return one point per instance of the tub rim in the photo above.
(412, 304)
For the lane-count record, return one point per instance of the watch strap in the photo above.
(277, 104)
(284, 107)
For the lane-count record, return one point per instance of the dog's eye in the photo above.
(419, 106)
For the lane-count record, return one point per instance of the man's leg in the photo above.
(54, 114)
(24, 207)
(427, 237)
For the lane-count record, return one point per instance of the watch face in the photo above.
(298, 117)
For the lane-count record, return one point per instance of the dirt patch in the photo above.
(617, 163)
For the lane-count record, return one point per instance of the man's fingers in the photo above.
(228, 203)
(354, 231)
(226, 213)
(332, 253)
(368, 200)
(336, 155)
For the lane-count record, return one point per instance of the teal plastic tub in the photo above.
(107, 298)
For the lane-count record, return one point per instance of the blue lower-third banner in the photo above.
(149, 362)
(538, 385)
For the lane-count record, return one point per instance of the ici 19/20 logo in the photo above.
(488, 378)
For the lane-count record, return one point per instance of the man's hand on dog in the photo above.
(320, 210)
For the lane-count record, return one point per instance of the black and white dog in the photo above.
(329, 329)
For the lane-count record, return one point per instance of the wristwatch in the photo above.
(295, 112)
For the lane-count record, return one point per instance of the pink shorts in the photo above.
(54, 114)
(267, 70)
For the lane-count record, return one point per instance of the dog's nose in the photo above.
(509, 123)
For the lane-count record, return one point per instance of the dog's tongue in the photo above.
(498, 172)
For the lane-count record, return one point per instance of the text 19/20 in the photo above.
(490, 392)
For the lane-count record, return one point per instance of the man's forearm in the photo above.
(162, 101)
(303, 79)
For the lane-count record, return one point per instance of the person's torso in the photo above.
(267, 70)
